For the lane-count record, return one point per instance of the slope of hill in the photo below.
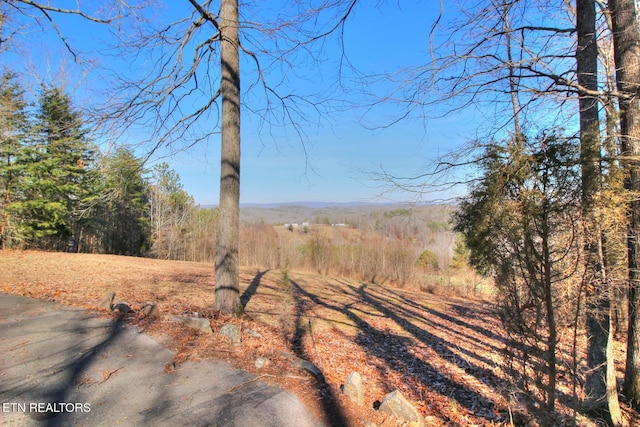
(443, 354)
(348, 213)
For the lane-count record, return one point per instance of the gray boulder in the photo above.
(232, 332)
(150, 310)
(354, 389)
(197, 323)
(107, 301)
(303, 364)
(396, 404)
(122, 307)
(307, 366)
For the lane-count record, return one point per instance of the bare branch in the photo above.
(46, 8)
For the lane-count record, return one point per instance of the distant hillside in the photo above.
(355, 214)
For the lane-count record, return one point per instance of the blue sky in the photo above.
(338, 151)
(339, 155)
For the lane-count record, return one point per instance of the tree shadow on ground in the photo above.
(252, 289)
(405, 308)
(56, 353)
(76, 368)
(332, 410)
(396, 350)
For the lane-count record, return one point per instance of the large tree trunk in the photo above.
(227, 289)
(600, 384)
(626, 45)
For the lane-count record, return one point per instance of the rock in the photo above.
(303, 364)
(232, 332)
(395, 403)
(198, 323)
(107, 301)
(261, 362)
(308, 366)
(150, 310)
(354, 389)
(122, 307)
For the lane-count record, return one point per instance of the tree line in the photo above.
(60, 192)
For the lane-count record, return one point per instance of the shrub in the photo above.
(427, 261)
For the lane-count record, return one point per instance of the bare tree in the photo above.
(601, 388)
(16, 15)
(184, 99)
(626, 41)
(498, 60)
(180, 96)
(228, 236)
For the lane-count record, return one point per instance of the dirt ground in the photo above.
(443, 353)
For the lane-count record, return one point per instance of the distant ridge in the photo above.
(279, 213)
(312, 204)
(318, 205)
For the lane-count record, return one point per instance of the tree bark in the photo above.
(626, 45)
(227, 288)
(600, 386)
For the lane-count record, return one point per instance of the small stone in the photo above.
(107, 301)
(396, 404)
(308, 366)
(150, 310)
(121, 307)
(232, 332)
(261, 362)
(200, 324)
(354, 389)
(303, 364)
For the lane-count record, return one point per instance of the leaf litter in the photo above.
(444, 354)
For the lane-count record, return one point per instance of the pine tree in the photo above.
(13, 130)
(57, 177)
(123, 217)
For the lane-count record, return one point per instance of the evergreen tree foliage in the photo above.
(55, 163)
(14, 127)
(124, 225)
(460, 253)
(58, 193)
(520, 225)
(427, 261)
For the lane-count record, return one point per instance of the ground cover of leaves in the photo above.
(444, 354)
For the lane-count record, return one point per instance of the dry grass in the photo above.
(444, 354)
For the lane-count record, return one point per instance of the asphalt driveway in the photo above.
(62, 366)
